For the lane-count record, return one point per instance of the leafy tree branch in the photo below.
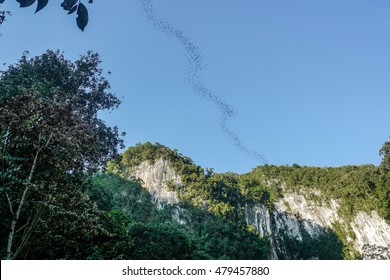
(70, 6)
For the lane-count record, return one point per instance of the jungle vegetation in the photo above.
(66, 193)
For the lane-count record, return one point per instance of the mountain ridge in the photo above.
(299, 221)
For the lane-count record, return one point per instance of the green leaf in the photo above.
(71, 11)
(82, 16)
(41, 4)
(25, 3)
(68, 4)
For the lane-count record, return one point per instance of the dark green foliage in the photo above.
(220, 231)
(159, 242)
(57, 222)
(209, 235)
(59, 100)
(52, 141)
(111, 192)
(41, 4)
(348, 250)
(221, 239)
(54, 204)
(140, 230)
(356, 188)
(26, 3)
(68, 5)
(148, 152)
(385, 153)
(327, 246)
(224, 194)
(82, 16)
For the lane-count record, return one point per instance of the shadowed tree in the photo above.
(51, 139)
(385, 153)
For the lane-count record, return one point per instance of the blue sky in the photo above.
(309, 81)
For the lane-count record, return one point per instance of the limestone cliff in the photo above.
(292, 217)
(154, 177)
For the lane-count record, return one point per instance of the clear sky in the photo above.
(309, 81)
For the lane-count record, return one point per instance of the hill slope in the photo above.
(300, 212)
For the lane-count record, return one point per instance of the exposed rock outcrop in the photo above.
(371, 230)
(292, 216)
(373, 252)
(155, 177)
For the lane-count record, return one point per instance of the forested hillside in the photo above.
(355, 188)
(67, 193)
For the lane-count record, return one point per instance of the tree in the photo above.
(51, 137)
(70, 6)
(159, 242)
(385, 153)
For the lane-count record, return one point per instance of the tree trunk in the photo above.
(21, 203)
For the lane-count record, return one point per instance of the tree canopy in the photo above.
(385, 153)
(356, 188)
(52, 140)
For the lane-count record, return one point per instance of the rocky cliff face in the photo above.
(154, 178)
(293, 217)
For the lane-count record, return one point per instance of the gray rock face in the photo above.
(260, 217)
(371, 230)
(299, 205)
(292, 216)
(280, 223)
(372, 252)
(154, 178)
